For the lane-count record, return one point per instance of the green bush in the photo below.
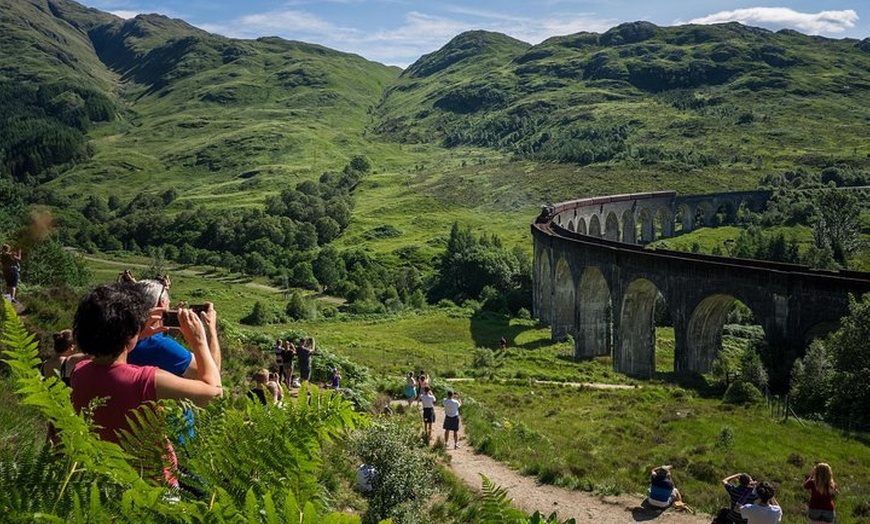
(404, 474)
(742, 392)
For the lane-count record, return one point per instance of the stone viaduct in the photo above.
(594, 281)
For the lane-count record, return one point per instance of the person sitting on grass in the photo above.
(767, 510)
(741, 493)
(662, 492)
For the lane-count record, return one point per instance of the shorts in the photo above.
(429, 415)
(821, 515)
(660, 503)
(11, 276)
(451, 423)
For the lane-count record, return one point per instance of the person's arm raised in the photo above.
(209, 320)
(207, 384)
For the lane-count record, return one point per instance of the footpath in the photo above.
(530, 496)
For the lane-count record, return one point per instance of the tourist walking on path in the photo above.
(823, 489)
(662, 492)
(11, 264)
(451, 418)
(741, 493)
(427, 400)
(766, 510)
(410, 388)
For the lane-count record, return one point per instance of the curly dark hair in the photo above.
(63, 340)
(765, 491)
(108, 317)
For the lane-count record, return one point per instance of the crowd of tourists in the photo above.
(118, 350)
(752, 501)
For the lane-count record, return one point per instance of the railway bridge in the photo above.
(594, 280)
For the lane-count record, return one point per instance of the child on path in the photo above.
(451, 418)
(427, 400)
(822, 488)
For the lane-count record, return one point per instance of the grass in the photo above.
(607, 441)
(598, 440)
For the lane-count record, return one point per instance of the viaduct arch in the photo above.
(594, 280)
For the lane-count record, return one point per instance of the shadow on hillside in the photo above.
(488, 328)
(691, 380)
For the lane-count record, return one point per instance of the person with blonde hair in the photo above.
(823, 489)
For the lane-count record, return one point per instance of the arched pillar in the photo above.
(703, 334)
(595, 226)
(665, 222)
(594, 314)
(647, 226)
(629, 227)
(544, 286)
(563, 305)
(581, 226)
(611, 227)
(634, 335)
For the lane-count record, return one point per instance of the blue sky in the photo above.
(397, 32)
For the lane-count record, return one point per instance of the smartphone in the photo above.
(170, 316)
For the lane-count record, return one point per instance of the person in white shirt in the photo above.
(766, 510)
(427, 399)
(451, 418)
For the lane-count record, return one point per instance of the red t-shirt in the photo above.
(124, 386)
(818, 500)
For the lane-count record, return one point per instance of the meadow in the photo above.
(532, 407)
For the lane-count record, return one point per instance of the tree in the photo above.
(329, 267)
(811, 380)
(849, 349)
(838, 223)
(752, 369)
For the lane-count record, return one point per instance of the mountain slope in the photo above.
(187, 104)
(688, 97)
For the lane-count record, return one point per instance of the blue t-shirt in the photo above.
(661, 488)
(162, 351)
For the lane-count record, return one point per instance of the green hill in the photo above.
(721, 98)
(96, 108)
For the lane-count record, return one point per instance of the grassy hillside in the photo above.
(719, 99)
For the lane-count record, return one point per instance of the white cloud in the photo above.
(417, 33)
(126, 14)
(812, 23)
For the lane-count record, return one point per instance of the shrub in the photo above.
(300, 308)
(404, 474)
(742, 392)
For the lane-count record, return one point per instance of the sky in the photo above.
(398, 32)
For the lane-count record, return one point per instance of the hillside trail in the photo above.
(529, 495)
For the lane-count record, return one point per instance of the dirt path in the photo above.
(530, 496)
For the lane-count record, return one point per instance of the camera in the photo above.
(170, 316)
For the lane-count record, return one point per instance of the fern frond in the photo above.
(496, 505)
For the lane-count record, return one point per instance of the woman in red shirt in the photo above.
(822, 488)
(107, 324)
